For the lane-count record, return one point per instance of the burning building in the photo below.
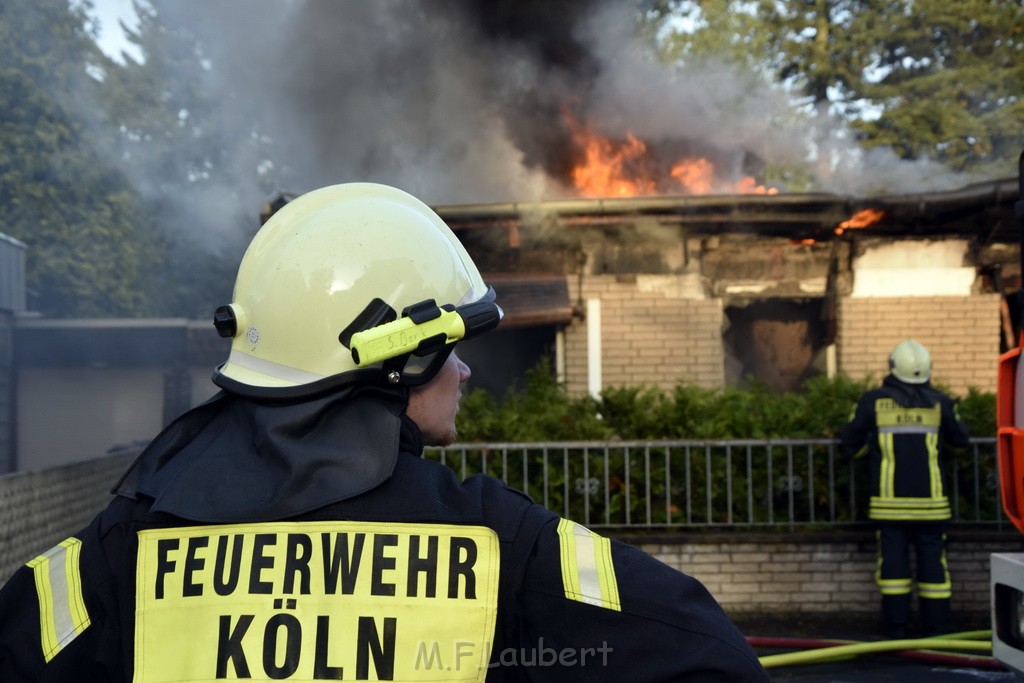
(674, 269)
(720, 290)
(668, 269)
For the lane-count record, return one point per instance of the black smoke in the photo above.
(465, 101)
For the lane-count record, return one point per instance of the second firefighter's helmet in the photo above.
(910, 362)
(352, 282)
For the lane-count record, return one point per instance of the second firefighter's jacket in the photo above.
(904, 428)
(419, 577)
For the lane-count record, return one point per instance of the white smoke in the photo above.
(433, 98)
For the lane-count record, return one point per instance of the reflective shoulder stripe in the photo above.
(62, 613)
(588, 574)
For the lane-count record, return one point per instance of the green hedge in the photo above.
(541, 410)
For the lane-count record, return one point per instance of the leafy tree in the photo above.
(950, 82)
(87, 251)
(929, 78)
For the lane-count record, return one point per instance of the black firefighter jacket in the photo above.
(905, 428)
(419, 578)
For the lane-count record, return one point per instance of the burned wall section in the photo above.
(999, 269)
(775, 342)
(778, 298)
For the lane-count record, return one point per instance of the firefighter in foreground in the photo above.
(905, 425)
(289, 529)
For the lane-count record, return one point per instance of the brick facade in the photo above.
(962, 334)
(660, 336)
(651, 335)
(813, 574)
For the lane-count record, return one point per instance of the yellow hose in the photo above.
(985, 634)
(853, 649)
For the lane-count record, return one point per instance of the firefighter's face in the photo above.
(433, 406)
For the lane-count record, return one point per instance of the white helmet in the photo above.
(910, 362)
(353, 282)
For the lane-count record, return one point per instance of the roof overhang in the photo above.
(532, 300)
(983, 211)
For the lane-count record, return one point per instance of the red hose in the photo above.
(772, 642)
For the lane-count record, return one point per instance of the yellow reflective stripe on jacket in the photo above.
(891, 419)
(887, 469)
(912, 509)
(588, 574)
(62, 613)
(932, 443)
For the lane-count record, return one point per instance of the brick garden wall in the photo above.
(962, 334)
(765, 574)
(650, 335)
(41, 508)
(818, 574)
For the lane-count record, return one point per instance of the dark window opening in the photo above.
(776, 342)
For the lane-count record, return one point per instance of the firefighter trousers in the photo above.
(895, 582)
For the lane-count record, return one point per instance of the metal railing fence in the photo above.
(743, 483)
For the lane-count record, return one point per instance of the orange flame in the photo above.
(864, 218)
(623, 169)
(604, 174)
(748, 185)
(609, 169)
(696, 175)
